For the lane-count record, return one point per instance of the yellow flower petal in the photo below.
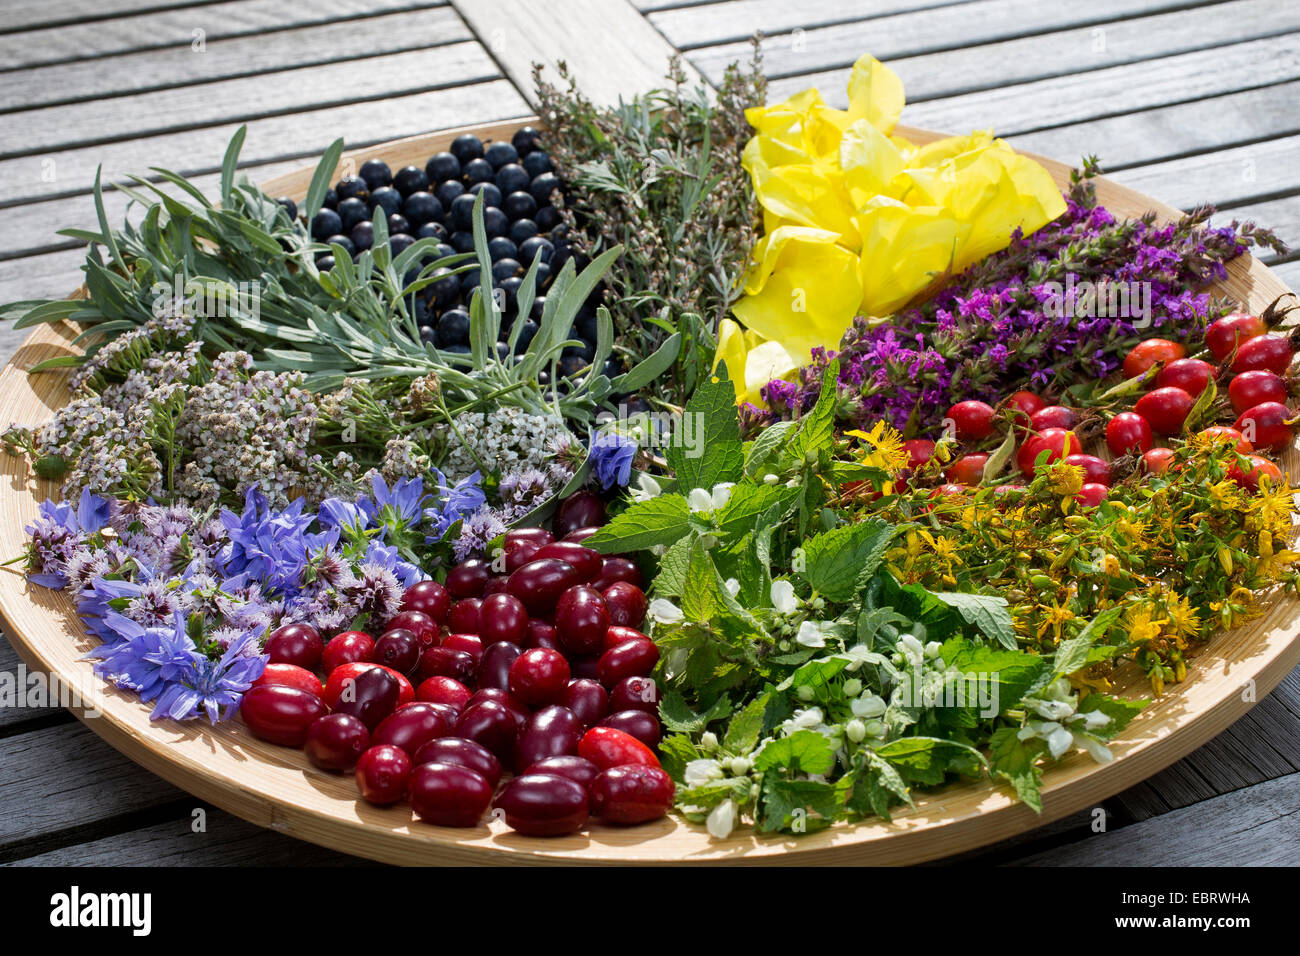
(875, 94)
(751, 362)
(803, 292)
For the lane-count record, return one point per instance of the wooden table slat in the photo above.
(1081, 52)
(1258, 826)
(691, 26)
(263, 55)
(925, 31)
(224, 101)
(174, 27)
(226, 841)
(611, 49)
(297, 136)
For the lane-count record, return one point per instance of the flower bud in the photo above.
(709, 742)
(852, 687)
(739, 766)
(805, 692)
(855, 730)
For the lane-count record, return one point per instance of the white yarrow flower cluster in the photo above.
(507, 439)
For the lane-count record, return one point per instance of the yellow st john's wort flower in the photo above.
(884, 448)
(859, 221)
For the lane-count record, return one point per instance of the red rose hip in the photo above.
(462, 753)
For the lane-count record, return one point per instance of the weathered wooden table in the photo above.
(1191, 101)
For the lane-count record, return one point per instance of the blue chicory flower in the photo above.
(611, 458)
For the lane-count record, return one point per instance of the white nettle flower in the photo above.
(722, 819)
(806, 719)
(911, 650)
(666, 612)
(700, 772)
(783, 599)
(699, 501)
(732, 586)
(810, 635)
(722, 494)
(868, 706)
(646, 488)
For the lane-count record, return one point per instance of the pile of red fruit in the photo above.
(1256, 359)
(531, 663)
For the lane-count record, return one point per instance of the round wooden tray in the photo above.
(275, 787)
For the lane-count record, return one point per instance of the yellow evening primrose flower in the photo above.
(751, 362)
(859, 220)
(803, 292)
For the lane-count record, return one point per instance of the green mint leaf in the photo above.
(1004, 676)
(706, 447)
(1078, 652)
(928, 760)
(816, 435)
(804, 751)
(767, 445)
(675, 752)
(748, 503)
(644, 524)
(1015, 761)
(987, 612)
(746, 727)
(1119, 710)
(671, 579)
(700, 592)
(799, 806)
(836, 562)
(680, 719)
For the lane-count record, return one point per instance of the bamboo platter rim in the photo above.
(275, 787)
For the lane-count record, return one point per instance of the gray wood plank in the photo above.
(174, 27)
(1168, 132)
(290, 136)
(1261, 746)
(1116, 90)
(12, 718)
(262, 55)
(291, 141)
(1231, 176)
(1289, 273)
(1258, 826)
(611, 49)
(65, 776)
(691, 26)
(46, 276)
(1083, 51)
(223, 101)
(21, 14)
(227, 841)
(925, 31)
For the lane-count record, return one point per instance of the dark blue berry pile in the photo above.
(519, 183)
